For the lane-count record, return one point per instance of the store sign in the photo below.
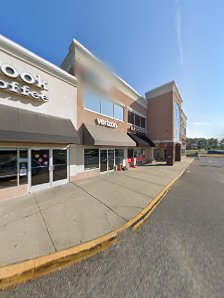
(106, 123)
(25, 77)
(137, 129)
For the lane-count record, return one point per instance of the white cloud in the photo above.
(178, 25)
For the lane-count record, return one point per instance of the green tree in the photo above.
(221, 144)
(213, 143)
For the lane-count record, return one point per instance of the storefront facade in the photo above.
(63, 124)
(38, 119)
(111, 117)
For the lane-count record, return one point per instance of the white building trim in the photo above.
(25, 55)
(78, 52)
(163, 89)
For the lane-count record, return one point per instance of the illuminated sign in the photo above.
(106, 123)
(28, 79)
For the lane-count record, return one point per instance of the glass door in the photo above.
(103, 160)
(59, 166)
(40, 169)
(110, 159)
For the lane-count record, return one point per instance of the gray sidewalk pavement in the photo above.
(51, 220)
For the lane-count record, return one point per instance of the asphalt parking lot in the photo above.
(177, 252)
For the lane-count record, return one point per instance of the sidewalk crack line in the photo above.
(52, 242)
(101, 202)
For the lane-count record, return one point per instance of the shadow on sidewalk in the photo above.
(154, 165)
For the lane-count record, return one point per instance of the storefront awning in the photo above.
(18, 125)
(101, 136)
(141, 140)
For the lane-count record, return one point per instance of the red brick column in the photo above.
(178, 152)
(170, 154)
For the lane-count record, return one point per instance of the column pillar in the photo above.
(170, 154)
(178, 152)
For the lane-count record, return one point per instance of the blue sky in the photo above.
(147, 43)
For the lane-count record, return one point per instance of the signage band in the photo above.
(14, 86)
(107, 123)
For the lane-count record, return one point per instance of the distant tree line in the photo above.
(207, 144)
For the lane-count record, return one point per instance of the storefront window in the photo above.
(92, 101)
(91, 159)
(107, 107)
(130, 153)
(118, 112)
(119, 156)
(110, 159)
(8, 168)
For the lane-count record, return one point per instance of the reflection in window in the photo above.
(130, 153)
(8, 168)
(91, 159)
(23, 166)
(118, 112)
(177, 121)
(107, 108)
(137, 120)
(142, 122)
(92, 101)
(110, 159)
(97, 103)
(131, 118)
(119, 156)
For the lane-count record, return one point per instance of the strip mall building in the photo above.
(59, 125)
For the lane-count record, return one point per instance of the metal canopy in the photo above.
(26, 126)
(141, 140)
(101, 136)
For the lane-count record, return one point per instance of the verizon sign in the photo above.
(21, 83)
(106, 123)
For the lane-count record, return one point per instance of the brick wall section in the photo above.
(88, 117)
(160, 117)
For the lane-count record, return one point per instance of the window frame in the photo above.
(86, 91)
(141, 117)
(101, 98)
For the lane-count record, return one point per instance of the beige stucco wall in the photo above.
(62, 95)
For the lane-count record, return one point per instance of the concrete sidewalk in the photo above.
(48, 221)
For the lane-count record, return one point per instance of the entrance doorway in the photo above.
(107, 161)
(48, 167)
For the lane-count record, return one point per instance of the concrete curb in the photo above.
(15, 274)
(211, 155)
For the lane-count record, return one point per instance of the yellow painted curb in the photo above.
(210, 155)
(15, 274)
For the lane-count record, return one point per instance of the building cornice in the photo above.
(19, 52)
(163, 89)
(124, 86)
